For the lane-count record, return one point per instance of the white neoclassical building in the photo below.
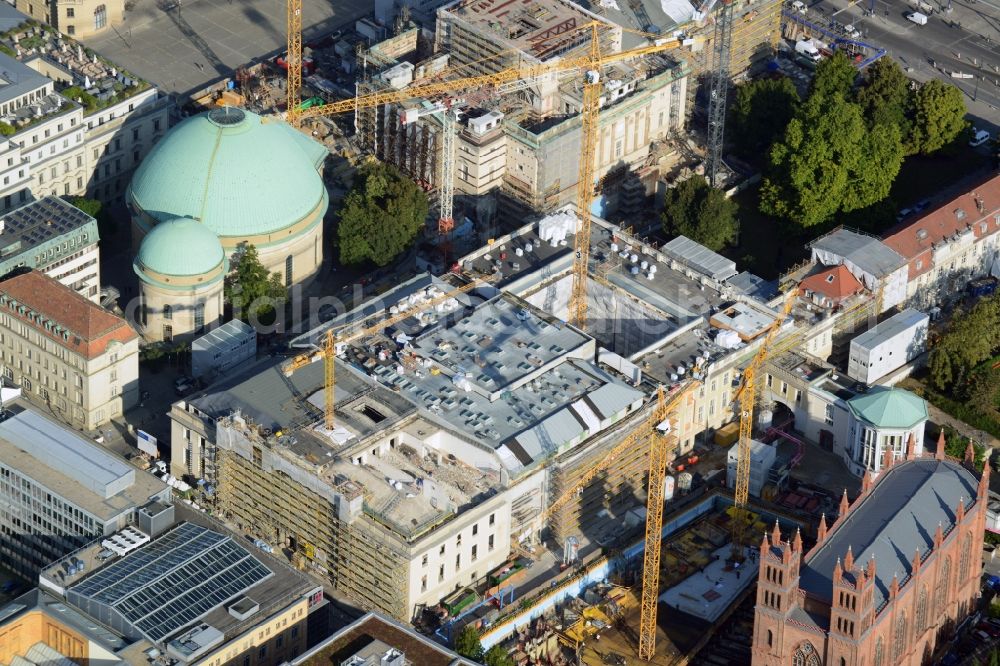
(883, 419)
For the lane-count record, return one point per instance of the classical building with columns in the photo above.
(888, 581)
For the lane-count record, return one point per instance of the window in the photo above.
(965, 560)
(168, 333)
(156, 125)
(941, 594)
(458, 561)
(423, 583)
(199, 317)
(899, 637)
(423, 560)
(475, 553)
(288, 270)
(829, 414)
(770, 638)
(100, 21)
(921, 616)
(168, 312)
(489, 544)
(475, 529)
(71, 29)
(70, 12)
(441, 574)
(806, 656)
(492, 519)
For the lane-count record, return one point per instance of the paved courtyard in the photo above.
(184, 45)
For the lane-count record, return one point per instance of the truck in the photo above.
(808, 49)
(917, 17)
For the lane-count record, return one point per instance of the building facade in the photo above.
(61, 147)
(68, 354)
(887, 583)
(77, 18)
(55, 238)
(952, 243)
(59, 491)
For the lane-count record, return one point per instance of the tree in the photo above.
(91, 207)
(885, 96)
(939, 116)
(251, 290)
(467, 644)
(700, 212)
(497, 656)
(972, 338)
(808, 171)
(381, 215)
(759, 114)
(871, 178)
(834, 76)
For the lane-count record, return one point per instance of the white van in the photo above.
(979, 137)
(917, 17)
(807, 48)
(799, 7)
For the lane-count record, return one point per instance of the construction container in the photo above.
(727, 434)
(684, 481)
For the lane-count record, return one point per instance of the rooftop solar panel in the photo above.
(174, 580)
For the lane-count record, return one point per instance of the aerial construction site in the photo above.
(529, 443)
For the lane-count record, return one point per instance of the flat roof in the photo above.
(373, 628)
(747, 321)
(283, 586)
(69, 466)
(890, 328)
(18, 79)
(895, 520)
(866, 252)
(173, 581)
(541, 28)
(64, 451)
(38, 222)
(499, 345)
(224, 337)
(62, 613)
(699, 258)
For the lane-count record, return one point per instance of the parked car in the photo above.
(851, 31)
(979, 137)
(917, 17)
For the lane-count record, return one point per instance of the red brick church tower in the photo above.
(890, 578)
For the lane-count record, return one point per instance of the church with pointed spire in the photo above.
(888, 580)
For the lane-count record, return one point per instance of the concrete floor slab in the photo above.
(706, 594)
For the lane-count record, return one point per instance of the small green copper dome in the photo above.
(233, 172)
(889, 408)
(180, 247)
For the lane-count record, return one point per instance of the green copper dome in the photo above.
(889, 408)
(234, 173)
(180, 247)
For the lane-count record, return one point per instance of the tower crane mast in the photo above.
(590, 65)
(722, 51)
(748, 391)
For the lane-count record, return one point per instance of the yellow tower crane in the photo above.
(590, 65)
(658, 429)
(293, 59)
(333, 337)
(748, 391)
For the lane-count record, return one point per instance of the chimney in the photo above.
(939, 453)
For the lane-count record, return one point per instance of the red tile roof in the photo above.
(84, 327)
(836, 283)
(965, 211)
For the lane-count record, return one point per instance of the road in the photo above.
(197, 42)
(966, 40)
